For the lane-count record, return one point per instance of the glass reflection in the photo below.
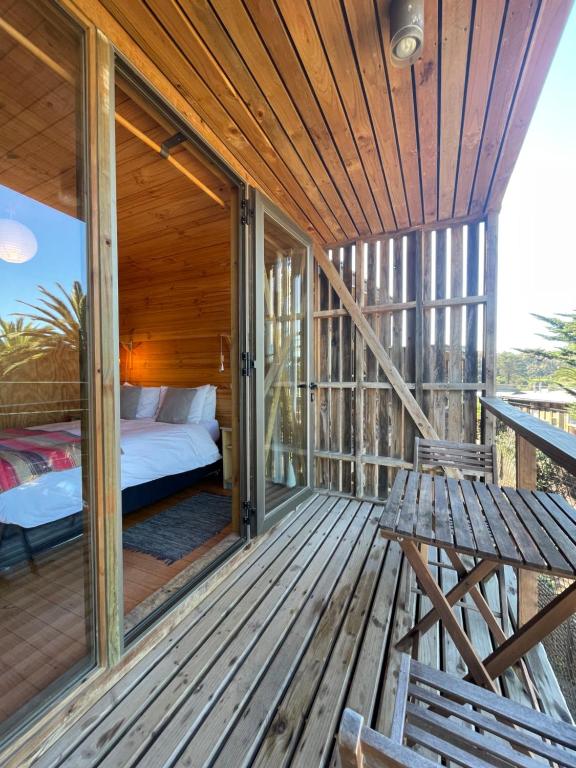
(46, 621)
(285, 364)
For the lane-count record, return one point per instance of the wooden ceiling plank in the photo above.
(485, 37)
(308, 44)
(243, 61)
(455, 32)
(332, 25)
(365, 34)
(211, 76)
(518, 24)
(134, 100)
(200, 25)
(267, 20)
(426, 81)
(219, 132)
(551, 22)
(403, 110)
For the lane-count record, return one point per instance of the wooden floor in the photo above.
(259, 672)
(43, 628)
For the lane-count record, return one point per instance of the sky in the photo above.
(61, 254)
(537, 242)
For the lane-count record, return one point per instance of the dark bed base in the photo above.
(18, 544)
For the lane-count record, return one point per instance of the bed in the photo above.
(157, 459)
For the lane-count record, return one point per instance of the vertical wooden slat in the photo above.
(396, 408)
(471, 372)
(439, 370)
(427, 346)
(359, 391)
(455, 364)
(346, 371)
(490, 285)
(371, 396)
(385, 396)
(411, 277)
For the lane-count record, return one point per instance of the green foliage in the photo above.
(561, 329)
(522, 370)
(56, 325)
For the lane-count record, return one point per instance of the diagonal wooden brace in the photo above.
(392, 373)
(466, 583)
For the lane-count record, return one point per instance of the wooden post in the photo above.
(359, 377)
(490, 286)
(527, 580)
(104, 285)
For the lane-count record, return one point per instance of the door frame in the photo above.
(262, 206)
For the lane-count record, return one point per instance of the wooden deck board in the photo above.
(260, 671)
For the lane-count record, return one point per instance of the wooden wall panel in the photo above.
(421, 293)
(175, 274)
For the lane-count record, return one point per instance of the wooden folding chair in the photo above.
(454, 720)
(472, 459)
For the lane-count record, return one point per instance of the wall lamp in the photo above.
(406, 31)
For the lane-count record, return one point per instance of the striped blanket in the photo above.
(28, 453)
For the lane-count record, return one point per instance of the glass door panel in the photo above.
(47, 619)
(283, 273)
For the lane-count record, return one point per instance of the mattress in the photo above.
(150, 450)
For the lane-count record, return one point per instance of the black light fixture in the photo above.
(406, 31)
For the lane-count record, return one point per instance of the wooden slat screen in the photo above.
(423, 293)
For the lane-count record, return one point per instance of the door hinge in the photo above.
(247, 512)
(248, 364)
(247, 212)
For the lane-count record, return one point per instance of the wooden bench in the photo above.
(454, 720)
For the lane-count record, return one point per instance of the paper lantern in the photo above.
(17, 242)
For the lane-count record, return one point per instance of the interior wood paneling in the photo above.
(174, 255)
(303, 98)
(40, 136)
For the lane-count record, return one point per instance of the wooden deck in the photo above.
(259, 672)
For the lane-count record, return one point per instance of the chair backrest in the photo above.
(458, 722)
(470, 458)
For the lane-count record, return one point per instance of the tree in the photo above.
(16, 343)
(562, 330)
(55, 326)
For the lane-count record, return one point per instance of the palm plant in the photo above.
(16, 343)
(55, 326)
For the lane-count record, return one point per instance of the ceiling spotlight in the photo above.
(406, 31)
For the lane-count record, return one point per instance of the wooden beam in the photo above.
(394, 376)
(490, 287)
(560, 446)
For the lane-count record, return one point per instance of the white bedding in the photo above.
(150, 450)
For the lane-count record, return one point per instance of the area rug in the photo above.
(174, 532)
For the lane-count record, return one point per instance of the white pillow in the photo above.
(209, 411)
(196, 412)
(203, 406)
(149, 401)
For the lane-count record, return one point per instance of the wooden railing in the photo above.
(532, 435)
(560, 446)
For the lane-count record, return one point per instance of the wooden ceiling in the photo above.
(303, 96)
(40, 129)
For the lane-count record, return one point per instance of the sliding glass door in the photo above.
(47, 613)
(282, 363)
